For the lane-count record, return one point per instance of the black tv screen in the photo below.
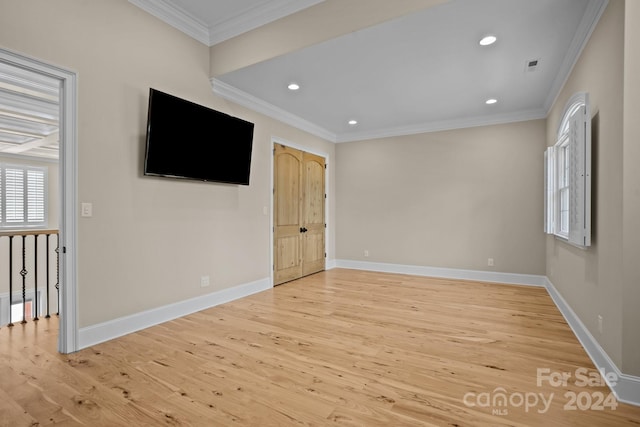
(187, 140)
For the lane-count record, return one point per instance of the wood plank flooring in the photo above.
(341, 347)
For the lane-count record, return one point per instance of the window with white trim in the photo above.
(568, 175)
(23, 196)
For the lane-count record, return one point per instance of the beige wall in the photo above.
(631, 193)
(590, 280)
(150, 239)
(446, 199)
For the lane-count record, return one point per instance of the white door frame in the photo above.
(277, 140)
(68, 171)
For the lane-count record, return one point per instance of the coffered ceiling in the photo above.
(29, 113)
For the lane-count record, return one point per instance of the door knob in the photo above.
(303, 230)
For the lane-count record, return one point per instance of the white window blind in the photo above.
(579, 179)
(23, 196)
(14, 195)
(549, 186)
(563, 186)
(35, 197)
(568, 175)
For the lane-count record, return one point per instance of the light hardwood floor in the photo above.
(340, 347)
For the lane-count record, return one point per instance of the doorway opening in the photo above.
(38, 170)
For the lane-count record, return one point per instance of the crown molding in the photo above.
(469, 122)
(248, 20)
(176, 17)
(231, 93)
(590, 20)
(261, 15)
(256, 17)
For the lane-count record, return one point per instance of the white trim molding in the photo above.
(445, 273)
(245, 99)
(590, 20)
(247, 20)
(95, 334)
(68, 336)
(254, 103)
(175, 16)
(462, 123)
(256, 17)
(627, 388)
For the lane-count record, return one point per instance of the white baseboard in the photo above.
(446, 273)
(330, 264)
(95, 334)
(627, 388)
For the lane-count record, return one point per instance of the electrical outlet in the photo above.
(204, 281)
(599, 323)
(366, 253)
(490, 262)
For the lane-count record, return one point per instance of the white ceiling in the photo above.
(418, 73)
(426, 71)
(421, 72)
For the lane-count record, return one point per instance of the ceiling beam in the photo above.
(316, 24)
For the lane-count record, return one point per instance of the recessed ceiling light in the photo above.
(487, 40)
(293, 86)
(491, 101)
(353, 122)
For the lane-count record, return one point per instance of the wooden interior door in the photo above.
(313, 225)
(299, 225)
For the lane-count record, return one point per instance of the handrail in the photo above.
(26, 232)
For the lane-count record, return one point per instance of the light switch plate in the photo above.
(87, 210)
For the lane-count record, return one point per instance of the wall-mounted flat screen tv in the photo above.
(187, 140)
